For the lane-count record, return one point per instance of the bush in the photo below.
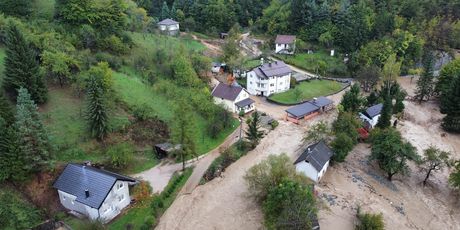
(120, 155)
(142, 112)
(293, 82)
(114, 62)
(369, 221)
(113, 44)
(341, 146)
(274, 124)
(16, 213)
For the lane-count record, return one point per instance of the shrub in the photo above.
(120, 155)
(293, 82)
(274, 124)
(141, 192)
(113, 44)
(142, 112)
(369, 221)
(341, 146)
(114, 62)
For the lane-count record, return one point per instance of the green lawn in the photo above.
(150, 42)
(251, 64)
(307, 90)
(134, 93)
(334, 66)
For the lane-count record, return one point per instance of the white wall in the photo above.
(308, 170)
(372, 122)
(69, 202)
(257, 86)
(230, 105)
(284, 48)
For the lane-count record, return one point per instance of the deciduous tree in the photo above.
(451, 122)
(434, 160)
(317, 132)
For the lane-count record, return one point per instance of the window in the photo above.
(121, 197)
(250, 82)
(120, 185)
(272, 84)
(63, 197)
(281, 83)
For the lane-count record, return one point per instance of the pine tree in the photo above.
(173, 12)
(253, 134)
(425, 84)
(385, 115)
(16, 7)
(12, 163)
(451, 121)
(183, 131)
(21, 67)
(97, 109)
(33, 141)
(165, 13)
(6, 112)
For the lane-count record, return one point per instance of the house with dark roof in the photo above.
(371, 116)
(233, 98)
(169, 27)
(314, 161)
(285, 44)
(269, 78)
(95, 193)
(309, 109)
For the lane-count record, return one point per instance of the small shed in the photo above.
(314, 161)
(162, 150)
(371, 116)
(303, 111)
(223, 35)
(323, 103)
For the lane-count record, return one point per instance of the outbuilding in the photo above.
(308, 109)
(314, 161)
(98, 194)
(371, 116)
(285, 44)
(169, 27)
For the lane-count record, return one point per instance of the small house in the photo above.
(371, 116)
(233, 98)
(269, 78)
(164, 149)
(285, 44)
(169, 27)
(314, 161)
(308, 109)
(98, 194)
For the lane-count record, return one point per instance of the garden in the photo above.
(319, 63)
(306, 90)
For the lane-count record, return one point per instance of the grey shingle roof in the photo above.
(277, 68)
(321, 101)
(302, 109)
(244, 102)
(318, 155)
(226, 91)
(75, 179)
(373, 111)
(285, 39)
(168, 22)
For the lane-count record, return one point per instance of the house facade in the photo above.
(169, 27)
(233, 98)
(371, 116)
(314, 161)
(98, 194)
(285, 44)
(269, 78)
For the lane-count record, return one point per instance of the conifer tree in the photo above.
(451, 121)
(165, 13)
(183, 131)
(97, 109)
(21, 67)
(425, 84)
(253, 134)
(6, 112)
(16, 7)
(385, 115)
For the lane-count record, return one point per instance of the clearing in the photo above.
(317, 62)
(307, 90)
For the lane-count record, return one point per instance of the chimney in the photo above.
(308, 150)
(314, 99)
(86, 193)
(261, 61)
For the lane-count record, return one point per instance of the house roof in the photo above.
(321, 101)
(168, 22)
(285, 39)
(76, 178)
(277, 68)
(226, 91)
(244, 102)
(317, 155)
(302, 109)
(373, 111)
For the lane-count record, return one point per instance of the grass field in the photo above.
(334, 66)
(251, 64)
(150, 42)
(307, 90)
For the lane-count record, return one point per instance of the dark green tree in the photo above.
(448, 75)
(97, 108)
(391, 152)
(341, 145)
(352, 100)
(369, 77)
(434, 160)
(254, 134)
(399, 105)
(454, 177)
(451, 121)
(165, 13)
(21, 67)
(182, 132)
(425, 84)
(18, 8)
(385, 115)
(372, 99)
(347, 123)
(6, 111)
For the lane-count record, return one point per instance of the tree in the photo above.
(454, 177)
(399, 105)
(372, 99)
(290, 205)
(341, 145)
(21, 67)
(451, 122)
(391, 70)
(97, 108)
(391, 152)
(317, 132)
(165, 13)
(18, 8)
(425, 84)
(369, 221)
(59, 66)
(253, 134)
(385, 115)
(33, 148)
(434, 160)
(6, 111)
(347, 123)
(183, 131)
(447, 75)
(352, 100)
(369, 77)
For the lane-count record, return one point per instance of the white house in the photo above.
(233, 98)
(169, 27)
(269, 78)
(371, 116)
(314, 161)
(98, 194)
(285, 44)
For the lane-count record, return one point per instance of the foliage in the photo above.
(6, 110)
(254, 134)
(451, 106)
(21, 66)
(348, 124)
(391, 152)
(120, 155)
(332, 66)
(434, 160)
(425, 84)
(19, 8)
(141, 192)
(399, 105)
(16, 213)
(306, 90)
(385, 115)
(317, 132)
(182, 132)
(227, 157)
(274, 124)
(369, 77)
(97, 108)
(352, 100)
(341, 146)
(369, 221)
(289, 205)
(454, 177)
(58, 65)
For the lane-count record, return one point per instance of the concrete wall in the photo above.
(282, 48)
(267, 87)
